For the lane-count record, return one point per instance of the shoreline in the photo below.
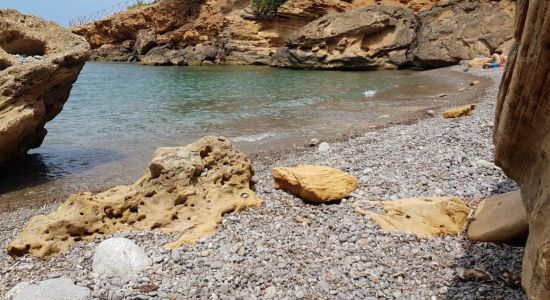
(341, 254)
(50, 193)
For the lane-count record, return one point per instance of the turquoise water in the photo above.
(118, 114)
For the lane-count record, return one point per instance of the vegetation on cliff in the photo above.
(267, 7)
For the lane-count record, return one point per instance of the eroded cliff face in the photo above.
(39, 62)
(522, 135)
(185, 27)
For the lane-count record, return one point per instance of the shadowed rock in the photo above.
(33, 93)
(522, 136)
(185, 190)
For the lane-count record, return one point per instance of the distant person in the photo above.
(497, 60)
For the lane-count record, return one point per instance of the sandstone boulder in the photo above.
(376, 37)
(34, 93)
(315, 183)
(499, 219)
(423, 216)
(461, 111)
(522, 136)
(119, 257)
(185, 190)
(461, 30)
(50, 289)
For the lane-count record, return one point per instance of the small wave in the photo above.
(252, 138)
(369, 93)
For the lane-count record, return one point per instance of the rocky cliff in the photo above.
(39, 61)
(522, 135)
(228, 31)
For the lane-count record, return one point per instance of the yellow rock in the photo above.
(477, 62)
(186, 190)
(499, 219)
(429, 216)
(460, 111)
(315, 183)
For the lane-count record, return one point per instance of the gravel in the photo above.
(24, 59)
(288, 249)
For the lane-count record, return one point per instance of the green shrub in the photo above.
(267, 7)
(140, 3)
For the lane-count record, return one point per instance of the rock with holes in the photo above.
(315, 183)
(119, 257)
(376, 37)
(185, 190)
(428, 216)
(34, 92)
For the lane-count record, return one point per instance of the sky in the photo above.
(60, 11)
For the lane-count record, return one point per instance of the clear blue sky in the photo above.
(60, 11)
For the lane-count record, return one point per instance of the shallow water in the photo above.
(119, 113)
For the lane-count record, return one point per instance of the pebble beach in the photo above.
(289, 249)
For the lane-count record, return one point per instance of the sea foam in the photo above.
(369, 93)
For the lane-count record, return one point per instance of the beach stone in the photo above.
(522, 135)
(375, 37)
(50, 289)
(499, 219)
(39, 62)
(426, 216)
(315, 183)
(323, 147)
(146, 39)
(185, 190)
(461, 111)
(119, 257)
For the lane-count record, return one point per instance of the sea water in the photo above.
(118, 114)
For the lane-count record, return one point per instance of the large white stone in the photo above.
(51, 289)
(119, 257)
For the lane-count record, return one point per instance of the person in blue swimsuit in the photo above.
(497, 59)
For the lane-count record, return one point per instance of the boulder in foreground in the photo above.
(500, 218)
(315, 183)
(51, 289)
(461, 111)
(33, 92)
(428, 216)
(119, 257)
(185, 190)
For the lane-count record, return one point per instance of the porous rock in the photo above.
(522, 136)
(119, 257)
(315, 183)
(427, 216)
(185, 190)
(32, 94)
(461, 30)
(51, 289)
(461, 111)
(499, 219)
(376, 37)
